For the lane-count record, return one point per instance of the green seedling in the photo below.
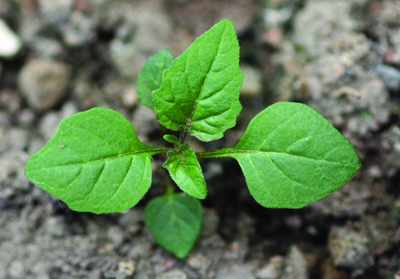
(290, 155)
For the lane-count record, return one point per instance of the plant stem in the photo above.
(226, 152)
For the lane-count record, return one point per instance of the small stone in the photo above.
(173, 274)
(44, 83)
(55, 227)
(144, 121)
(272, 270)
(130, 97)
(349, 248)
(48, 124)
(237, 271)
(295, 265)
(115, 235)
(26, 118)
(390, 76)
(55, 11)
(252, 83)
(16, 270)
(126, 268)
(10, 42)
(199, 261)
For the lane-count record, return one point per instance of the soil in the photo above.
(340, 57)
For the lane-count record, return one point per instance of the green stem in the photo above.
(183, 136)
(226, 152)
(169, 188)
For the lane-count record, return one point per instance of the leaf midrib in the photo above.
(198, 99)
(231, 152)
(150, 151)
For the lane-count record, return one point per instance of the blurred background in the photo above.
(342, 57)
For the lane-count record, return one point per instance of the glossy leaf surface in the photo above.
(94, 163)
(199, 93)
(186, 172)
(174, 220)
(151, 75)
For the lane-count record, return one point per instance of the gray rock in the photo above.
(252, 83)
(349, 248)
(115, 235)
(236, 271)
(131, 221)
(272, 270)
(55, 226)
(144, 121)
(55, 12)
(173, 274)
(198, 261)
(44, 83)
(49, 124)
(126, 269)
(295, 265)
(13, 139)
(389, 75)
(79, 30)
(16, 270)
(145, 29)
(10, 42)
(12, 174)
(46, 48)
(26, 118)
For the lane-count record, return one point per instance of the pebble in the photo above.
(126, 268)
(237, 271)
(272, 269)
(55, 226)
(252, 83)
(10, 42)
(389, 75)
(55, 11)
(295, 265)
(16, 270)
(26, 118)
(115, 235)
(44, 83)
(349, 248)
(173, 274)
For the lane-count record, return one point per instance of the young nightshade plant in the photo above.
(290, 155)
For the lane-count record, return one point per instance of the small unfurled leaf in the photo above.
(199, 93)
(151, 75)
(94, 163)
(172, 139)
(291, 156)
(174, 220)
(185, 170)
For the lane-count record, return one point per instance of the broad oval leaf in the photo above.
(199, 93)
(185, 170)
(94, 163)
(151, 75)
(292, 156)
(174, 220)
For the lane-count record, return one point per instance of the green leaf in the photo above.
(185, 170)
(94, 163)
(172, 139)
(174, 221)
(199, 93)
(151, 75)
(292, 156)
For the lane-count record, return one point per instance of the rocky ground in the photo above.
(341, 57)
